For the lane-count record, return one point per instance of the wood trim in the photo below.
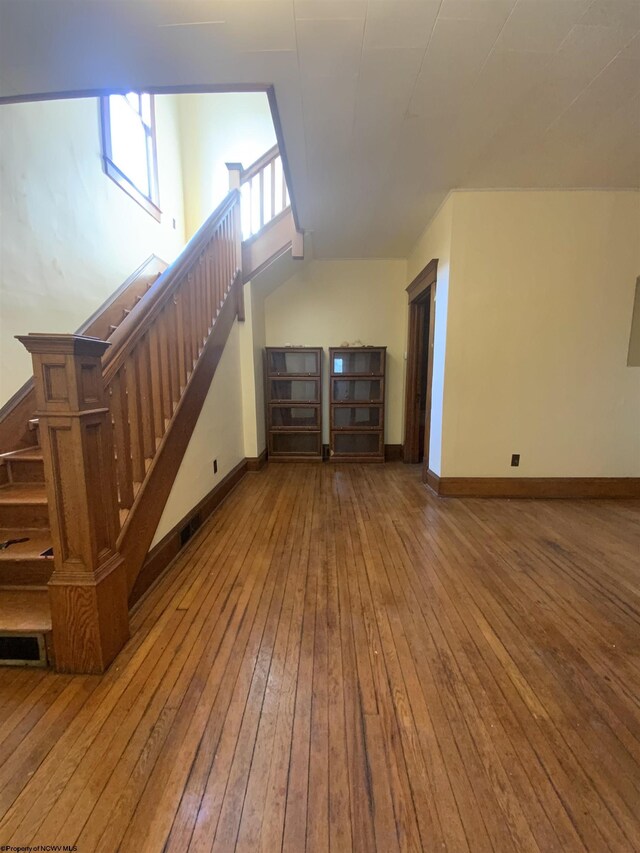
(257, 463)
(534, 487)
(393, 452)
(268, 244)
(150, 203)
(275, 115)
(16, 412)
(423, 280)
(162, 555)
(142, 521)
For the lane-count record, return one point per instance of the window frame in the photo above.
(150, 203)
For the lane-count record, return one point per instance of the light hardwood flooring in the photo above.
(342, 661)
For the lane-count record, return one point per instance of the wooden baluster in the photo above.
(227, 264)
(134, 402)
(188, 325)
(217, 257)
(261, 198)
(204, 323)
(156, 383)
(208, 300)
(237, 261)
(122, 439)
(165, 370)
(193, 338)
(146, 397)
(273, 188)
(174, 361)
(180, 339)
(88, 588)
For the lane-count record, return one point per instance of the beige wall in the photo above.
(69, 236)
(332, 302)
(435, 242)
(540, 298)
(215, 129)
(218, 434)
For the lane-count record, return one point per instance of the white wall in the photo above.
(215, 129)
(69, 236)
(218, 434)
(329, 303)
(540, 299)
(435, 242)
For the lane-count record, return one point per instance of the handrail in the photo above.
(136, 324)
(259, 164)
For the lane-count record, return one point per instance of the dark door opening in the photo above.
(420, 367)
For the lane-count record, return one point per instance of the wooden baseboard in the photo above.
(534, 487)
(393, 452)
(257, 463)
(162, 555)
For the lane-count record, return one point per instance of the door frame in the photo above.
(421, 290)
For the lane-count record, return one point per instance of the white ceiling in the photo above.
(385, 104)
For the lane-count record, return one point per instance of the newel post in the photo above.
(88, 589)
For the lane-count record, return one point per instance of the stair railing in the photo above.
(154, 350)
(105, 409)
(264, 191)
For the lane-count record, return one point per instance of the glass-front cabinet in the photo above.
(293, 384)
(357, 388)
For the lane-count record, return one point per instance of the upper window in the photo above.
(129, 147)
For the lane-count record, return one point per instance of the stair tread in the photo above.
(23, 493)
(38, 541)
(25, 611)
(28, 454)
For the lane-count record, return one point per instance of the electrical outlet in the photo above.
(215, 466)
(515, 460)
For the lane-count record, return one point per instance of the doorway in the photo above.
(422, 295)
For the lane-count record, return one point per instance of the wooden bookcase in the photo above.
(357, 388)
(293, 393)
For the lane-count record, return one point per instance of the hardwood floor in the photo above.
(342, 661)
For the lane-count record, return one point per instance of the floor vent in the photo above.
(22, 650)
(189, 529)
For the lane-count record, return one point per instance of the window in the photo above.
(129, 147)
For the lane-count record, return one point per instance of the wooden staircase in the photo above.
(114, 407)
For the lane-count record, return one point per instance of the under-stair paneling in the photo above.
(218, 435)
(330, 303)
(69, 233)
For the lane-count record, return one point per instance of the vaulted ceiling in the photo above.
(385, 104)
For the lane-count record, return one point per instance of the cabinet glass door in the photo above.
(364, 362)
(357, 390)
(295, 417)
(294, 362)
(355, 443)
(295, 443)
(300, 390)
(363, 417)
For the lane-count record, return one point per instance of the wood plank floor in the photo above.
(342, 661)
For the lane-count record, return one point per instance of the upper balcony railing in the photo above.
(264, 193)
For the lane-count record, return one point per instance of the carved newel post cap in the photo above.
(64, 344)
